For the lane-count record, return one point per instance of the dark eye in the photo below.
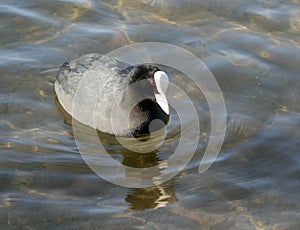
(152, 82)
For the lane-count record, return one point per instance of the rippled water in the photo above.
(253, 50)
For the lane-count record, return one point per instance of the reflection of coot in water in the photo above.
(112, 96)
(148, 198)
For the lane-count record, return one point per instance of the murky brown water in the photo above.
(253, 50)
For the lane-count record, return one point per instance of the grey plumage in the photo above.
(90, 86)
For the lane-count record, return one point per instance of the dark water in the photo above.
(253, 50)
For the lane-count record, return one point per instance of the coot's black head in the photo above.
(145, 94)
(142, 72)
(141, 82)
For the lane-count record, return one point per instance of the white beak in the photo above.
(162, 81)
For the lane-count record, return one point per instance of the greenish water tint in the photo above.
(253, 50)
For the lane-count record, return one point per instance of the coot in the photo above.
(112, 96)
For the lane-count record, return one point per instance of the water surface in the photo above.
(253, 50)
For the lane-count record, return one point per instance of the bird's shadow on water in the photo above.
(157, 196)
(139, 199)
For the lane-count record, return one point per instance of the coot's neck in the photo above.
(140, 105)
(134, 94)
(153, 111)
